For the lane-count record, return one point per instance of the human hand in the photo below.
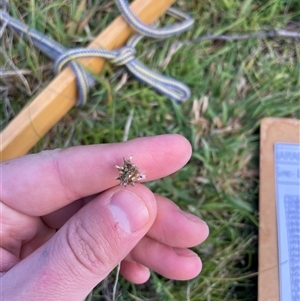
(100, 223)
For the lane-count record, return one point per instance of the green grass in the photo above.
(234, 85)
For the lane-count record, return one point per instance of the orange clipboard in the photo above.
(272, 130)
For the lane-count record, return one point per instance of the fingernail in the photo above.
(128, 210)
(185, 252)
(193, 217)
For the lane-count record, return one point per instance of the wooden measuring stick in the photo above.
(40, 115)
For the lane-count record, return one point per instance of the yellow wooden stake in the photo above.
(40, 115)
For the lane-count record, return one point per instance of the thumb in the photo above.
(85, 250)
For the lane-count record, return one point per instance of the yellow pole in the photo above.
(40, 115)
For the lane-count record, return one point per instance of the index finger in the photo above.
(41, 183)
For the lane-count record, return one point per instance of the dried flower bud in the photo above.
(129, 173)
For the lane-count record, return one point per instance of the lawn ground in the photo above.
(234, 85)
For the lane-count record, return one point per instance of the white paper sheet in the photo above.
(287, 177)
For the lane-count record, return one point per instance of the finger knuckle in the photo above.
(62, 176)
(92, 252)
